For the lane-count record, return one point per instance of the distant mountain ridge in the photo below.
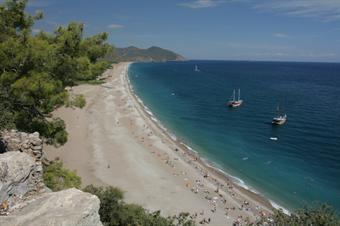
(151, 54)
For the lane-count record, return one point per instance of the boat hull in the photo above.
(235, 104)
(279, 121)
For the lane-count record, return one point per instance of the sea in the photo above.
(292, 165)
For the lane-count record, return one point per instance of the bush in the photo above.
(79, 101)
(54, 130)
(113, 211)
(76, 101)
(57, 178)
(99, 67)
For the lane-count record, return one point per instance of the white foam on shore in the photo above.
(139, 100)
(154, 119)
(148, 111)
(189, 148)
(242, 184)
(173, 137)
(278, 207)
(235, 180)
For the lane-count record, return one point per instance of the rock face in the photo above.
(24, 201)
(68, 207)
(16, 176)
(30, 144)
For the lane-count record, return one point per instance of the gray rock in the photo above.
(69, 207)
(30, 144)
(25, 200)
(16, 176)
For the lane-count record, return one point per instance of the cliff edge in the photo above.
(24, 199)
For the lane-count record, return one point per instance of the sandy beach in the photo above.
(115, 141)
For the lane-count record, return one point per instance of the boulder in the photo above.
(69, 207)
(16, 176)
(24, 199)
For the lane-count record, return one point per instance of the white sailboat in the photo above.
(233, 102)
(281, 118)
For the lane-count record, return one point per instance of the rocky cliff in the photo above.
(24, 199)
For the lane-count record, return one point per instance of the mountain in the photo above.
(153, 53)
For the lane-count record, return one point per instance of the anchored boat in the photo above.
(281, 118)
(233, 102)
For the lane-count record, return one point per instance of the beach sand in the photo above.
(114, 141)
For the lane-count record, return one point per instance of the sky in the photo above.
(278, 30)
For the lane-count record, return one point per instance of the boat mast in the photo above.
(234, 95)
(239, 94)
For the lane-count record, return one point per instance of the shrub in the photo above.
(316, 214)
(76, 101)
(79, 101)
(113, 211)
(57, 178)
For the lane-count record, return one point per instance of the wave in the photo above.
(173, 137)
(148, 111)
(278, 207)
(189, 148)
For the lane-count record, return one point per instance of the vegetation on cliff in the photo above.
(317, 214)
(114, 211)
(135, 54)
(35, 69)
(57, 178)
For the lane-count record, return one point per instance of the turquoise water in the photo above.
(301, 167)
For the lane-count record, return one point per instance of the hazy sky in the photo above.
(293, 30)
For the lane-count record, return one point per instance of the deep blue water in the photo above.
(301, 167)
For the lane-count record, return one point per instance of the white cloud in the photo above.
(326, 10)
(115, 26)
(201, 4)
(280, 35)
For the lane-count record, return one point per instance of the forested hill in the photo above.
(151, 54)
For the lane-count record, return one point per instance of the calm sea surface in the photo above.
(301, 167)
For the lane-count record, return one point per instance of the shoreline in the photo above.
(206, 163)
(116, 140)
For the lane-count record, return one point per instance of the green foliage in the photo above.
(90, 82)
(6, 116)
(37, 89)
(98, 68)
(76, 101)
(95, 47)
(310, 215)
(79, 101)
(114, 211)
(57, 178)
(135, 54)
(56, 131)
(35, 69)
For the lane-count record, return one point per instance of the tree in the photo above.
(34, 70)
(95, 47)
